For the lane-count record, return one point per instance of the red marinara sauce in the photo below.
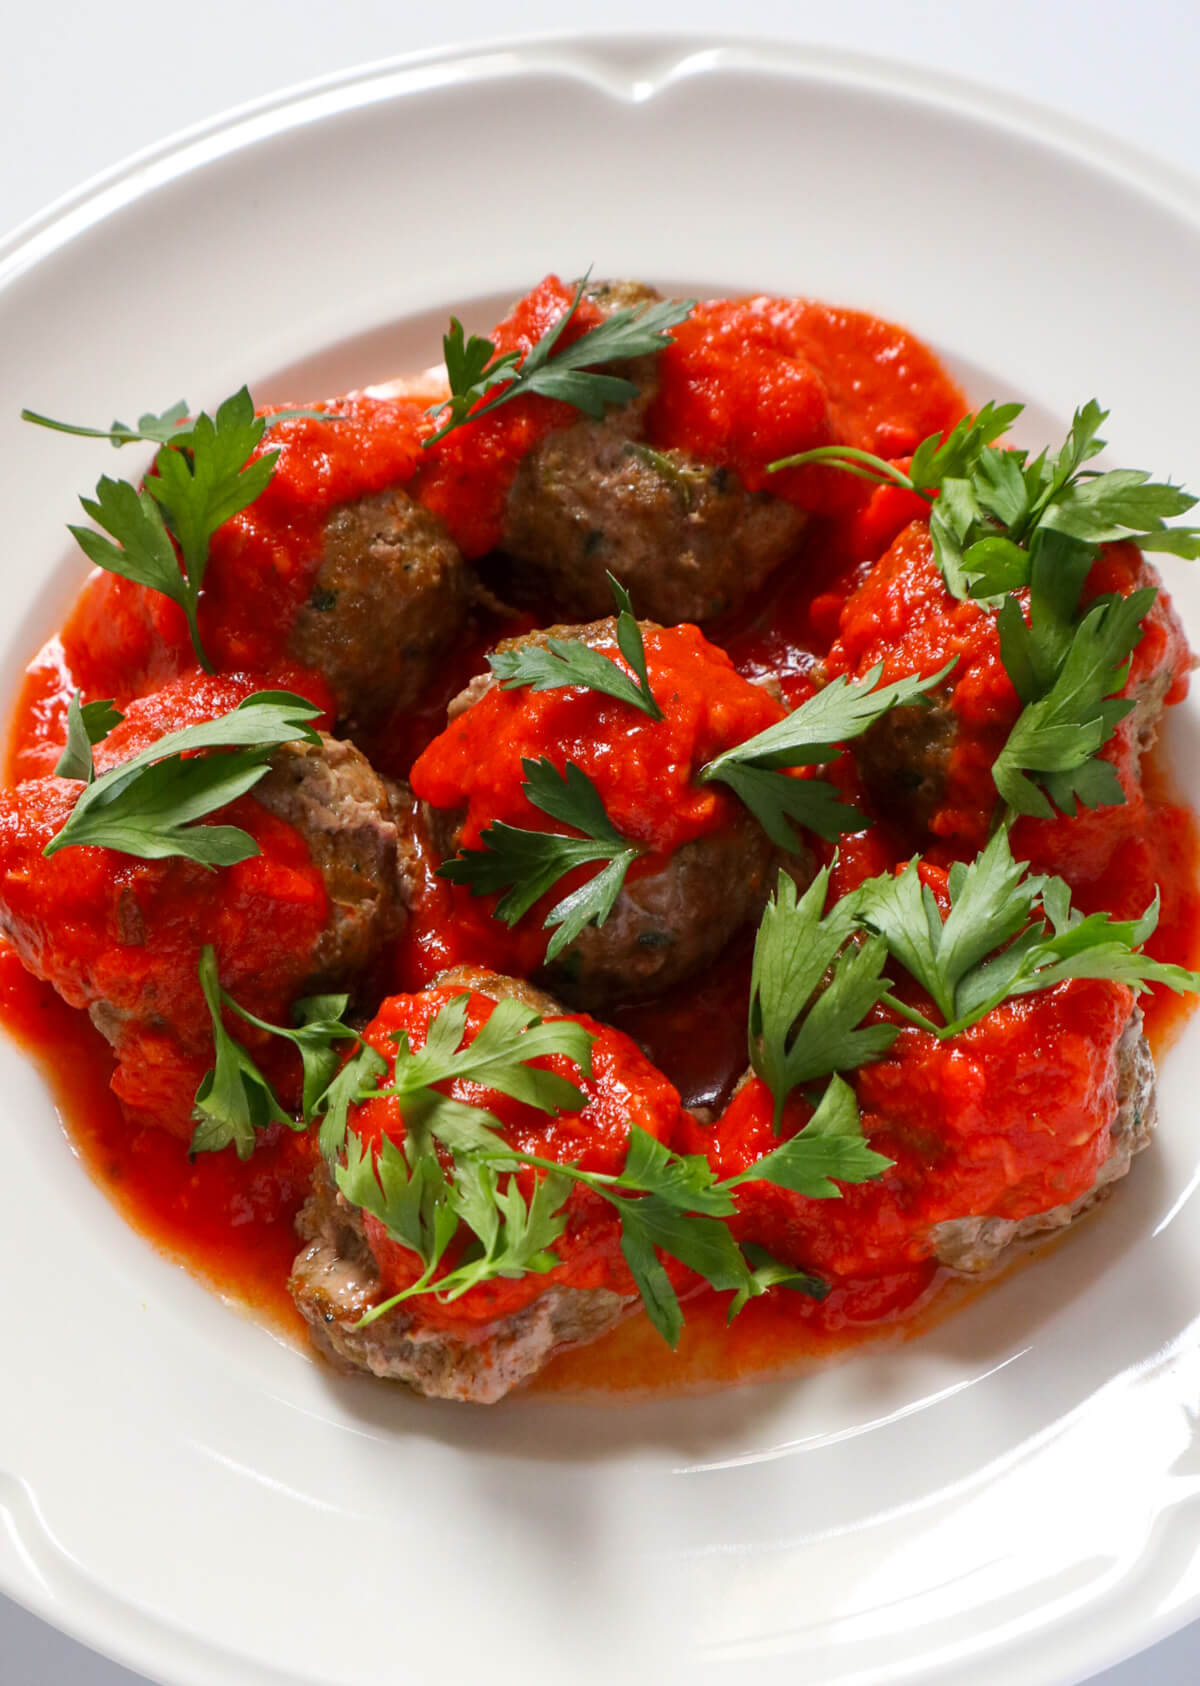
(623, 1089)
(746, 382)
(643, 769)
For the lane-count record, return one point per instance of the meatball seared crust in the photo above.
(385, 606)
(495, 1337)
(684, 537)
(708, 866)
(309, 911)
(987, 1146)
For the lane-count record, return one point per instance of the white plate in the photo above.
(1014, 1494)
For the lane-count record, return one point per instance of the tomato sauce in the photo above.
(746, 382)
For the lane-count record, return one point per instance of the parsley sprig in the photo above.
(422, 1209)
(1068, 669)
(482, 378)
(811, 735)
(1002, 522)
(811, 987)
(159, 534)
(148, 806)
(235, 1100)
(173, 427)
(525, 865)
(667, 1202)
(988, 502)
(1008, 933)
(87, 725)
(568, 661)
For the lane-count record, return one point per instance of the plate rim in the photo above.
(140, 172)
(663, 58)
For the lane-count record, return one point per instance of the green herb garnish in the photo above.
(173, 427)
(235, 1100)
(810, 736)
(87, 725)
(1008, 933)
(987, 502)
(149, 805)
(1067, 668)
(527, 864)
(568, 661)
(475, 368)
(202, 475)
(810, 990)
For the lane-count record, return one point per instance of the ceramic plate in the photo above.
(1012, 1496)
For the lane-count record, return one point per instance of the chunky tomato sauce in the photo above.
(745, 383)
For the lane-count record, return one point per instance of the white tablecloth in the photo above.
(82, 85)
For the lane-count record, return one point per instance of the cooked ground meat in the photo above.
(358, 831)
(336, 1277)
(121, 936)
(904, 759)
(684, 537)
(977, 1243)
(665, 925)
(670, 924)
(335, 1280)
(385, 606)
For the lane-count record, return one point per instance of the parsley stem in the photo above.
(912, 1015)
(864, 464)
(194, 633)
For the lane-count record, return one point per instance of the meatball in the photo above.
(975, 1244)
(386, 602)
(497, 1335)
(929, 769)
(359, 838)
(987, 1144)
(122, 936)
(335, 1281)
(684, 537)
(334, 566)
(707, 867)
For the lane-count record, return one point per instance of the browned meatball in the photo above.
(669, 924)
(685, 538)
(358, 832)
(386, 603)
(904, 759)
(500, 1339)
(977, 1244)
(335, 1281)
(122, 937)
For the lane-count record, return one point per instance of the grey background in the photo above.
(83, 85)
